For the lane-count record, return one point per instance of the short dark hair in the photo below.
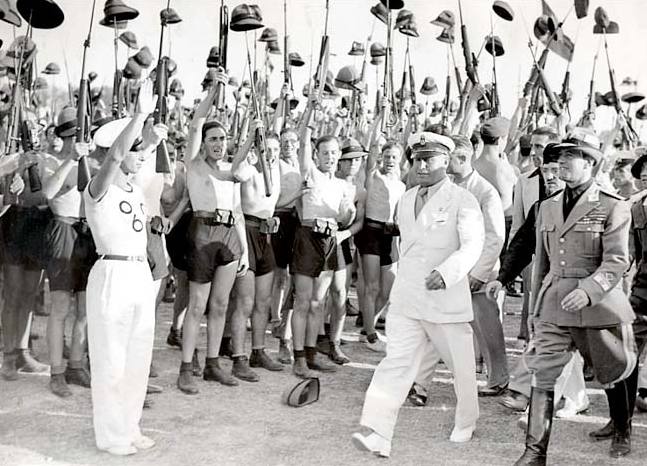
(326, 138)
(489, 140)
(211, 125)
(287, 130)
(475, 139)
(272, 135)
(392, 145)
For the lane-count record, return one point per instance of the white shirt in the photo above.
(117, 221)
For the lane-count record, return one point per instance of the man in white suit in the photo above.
(487, 323)
(442, 237)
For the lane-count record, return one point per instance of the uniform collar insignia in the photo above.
(594, 195)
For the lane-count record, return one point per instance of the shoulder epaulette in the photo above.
(612, 195)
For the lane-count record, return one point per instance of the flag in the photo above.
(560, 43)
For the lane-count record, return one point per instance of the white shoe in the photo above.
(461, 435)
(373, 443)
(143, 443)
(121, 450)
(571, 409)
(378, 346)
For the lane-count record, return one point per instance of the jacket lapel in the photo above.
(585, 204)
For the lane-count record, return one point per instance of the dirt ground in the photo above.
(248, 424)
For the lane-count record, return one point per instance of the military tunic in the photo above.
(587, 250)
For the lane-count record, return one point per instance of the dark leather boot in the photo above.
(621, 406)
(174, 338)
(316, 362)
(241, 370)
(605, 433)
(185, 380)
(540, 421)
(214, 373)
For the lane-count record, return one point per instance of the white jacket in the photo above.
(487, 267)
(447, 236)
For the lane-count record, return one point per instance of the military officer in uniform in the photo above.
(580, 257)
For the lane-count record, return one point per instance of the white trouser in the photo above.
(121, 325)
(570, 384)
(407, 342)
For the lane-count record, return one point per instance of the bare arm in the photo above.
(117, 152)
(55, 181)
(195, 128)
(305, 151)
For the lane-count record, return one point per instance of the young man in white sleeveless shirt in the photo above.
(292, 189)
(377, 240)
(70, 254)
(121, 314)
(217, 242)
(252, 291)
(315, 248)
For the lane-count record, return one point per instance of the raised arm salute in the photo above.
(121, 313)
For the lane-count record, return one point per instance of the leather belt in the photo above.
(320, 225)
(217, 217)
(67, 220)
(116, 257)
(574, 272)
(388, 228)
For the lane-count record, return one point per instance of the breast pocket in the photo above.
(547, 230)
(590, 238)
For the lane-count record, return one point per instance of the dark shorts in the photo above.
(70, 254)
(210, 246)
(23, 231)
(344, 255)
(374, 241)
(283, 240)
(177, 242)
(313, 253)
(156, 254)
(259, 251)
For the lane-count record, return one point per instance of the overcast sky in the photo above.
(350, 20)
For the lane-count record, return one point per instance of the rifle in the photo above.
(320, 73)
(260, 142)
(160, 115)
(287, 79)
(446, 101)
(471, 63)
(589, 112)
(629, 134)
(414, 104)
(117, 95)
(84, 112)
(222, 59)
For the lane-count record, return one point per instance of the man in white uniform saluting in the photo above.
(442, 236)
(121, 312)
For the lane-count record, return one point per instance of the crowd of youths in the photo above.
(264, 221)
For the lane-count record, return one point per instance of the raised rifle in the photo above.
(160, 115)
(471, 63)
(589, 112)
(222, 59)
(84, 112)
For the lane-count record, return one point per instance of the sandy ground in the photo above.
(249, 425)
